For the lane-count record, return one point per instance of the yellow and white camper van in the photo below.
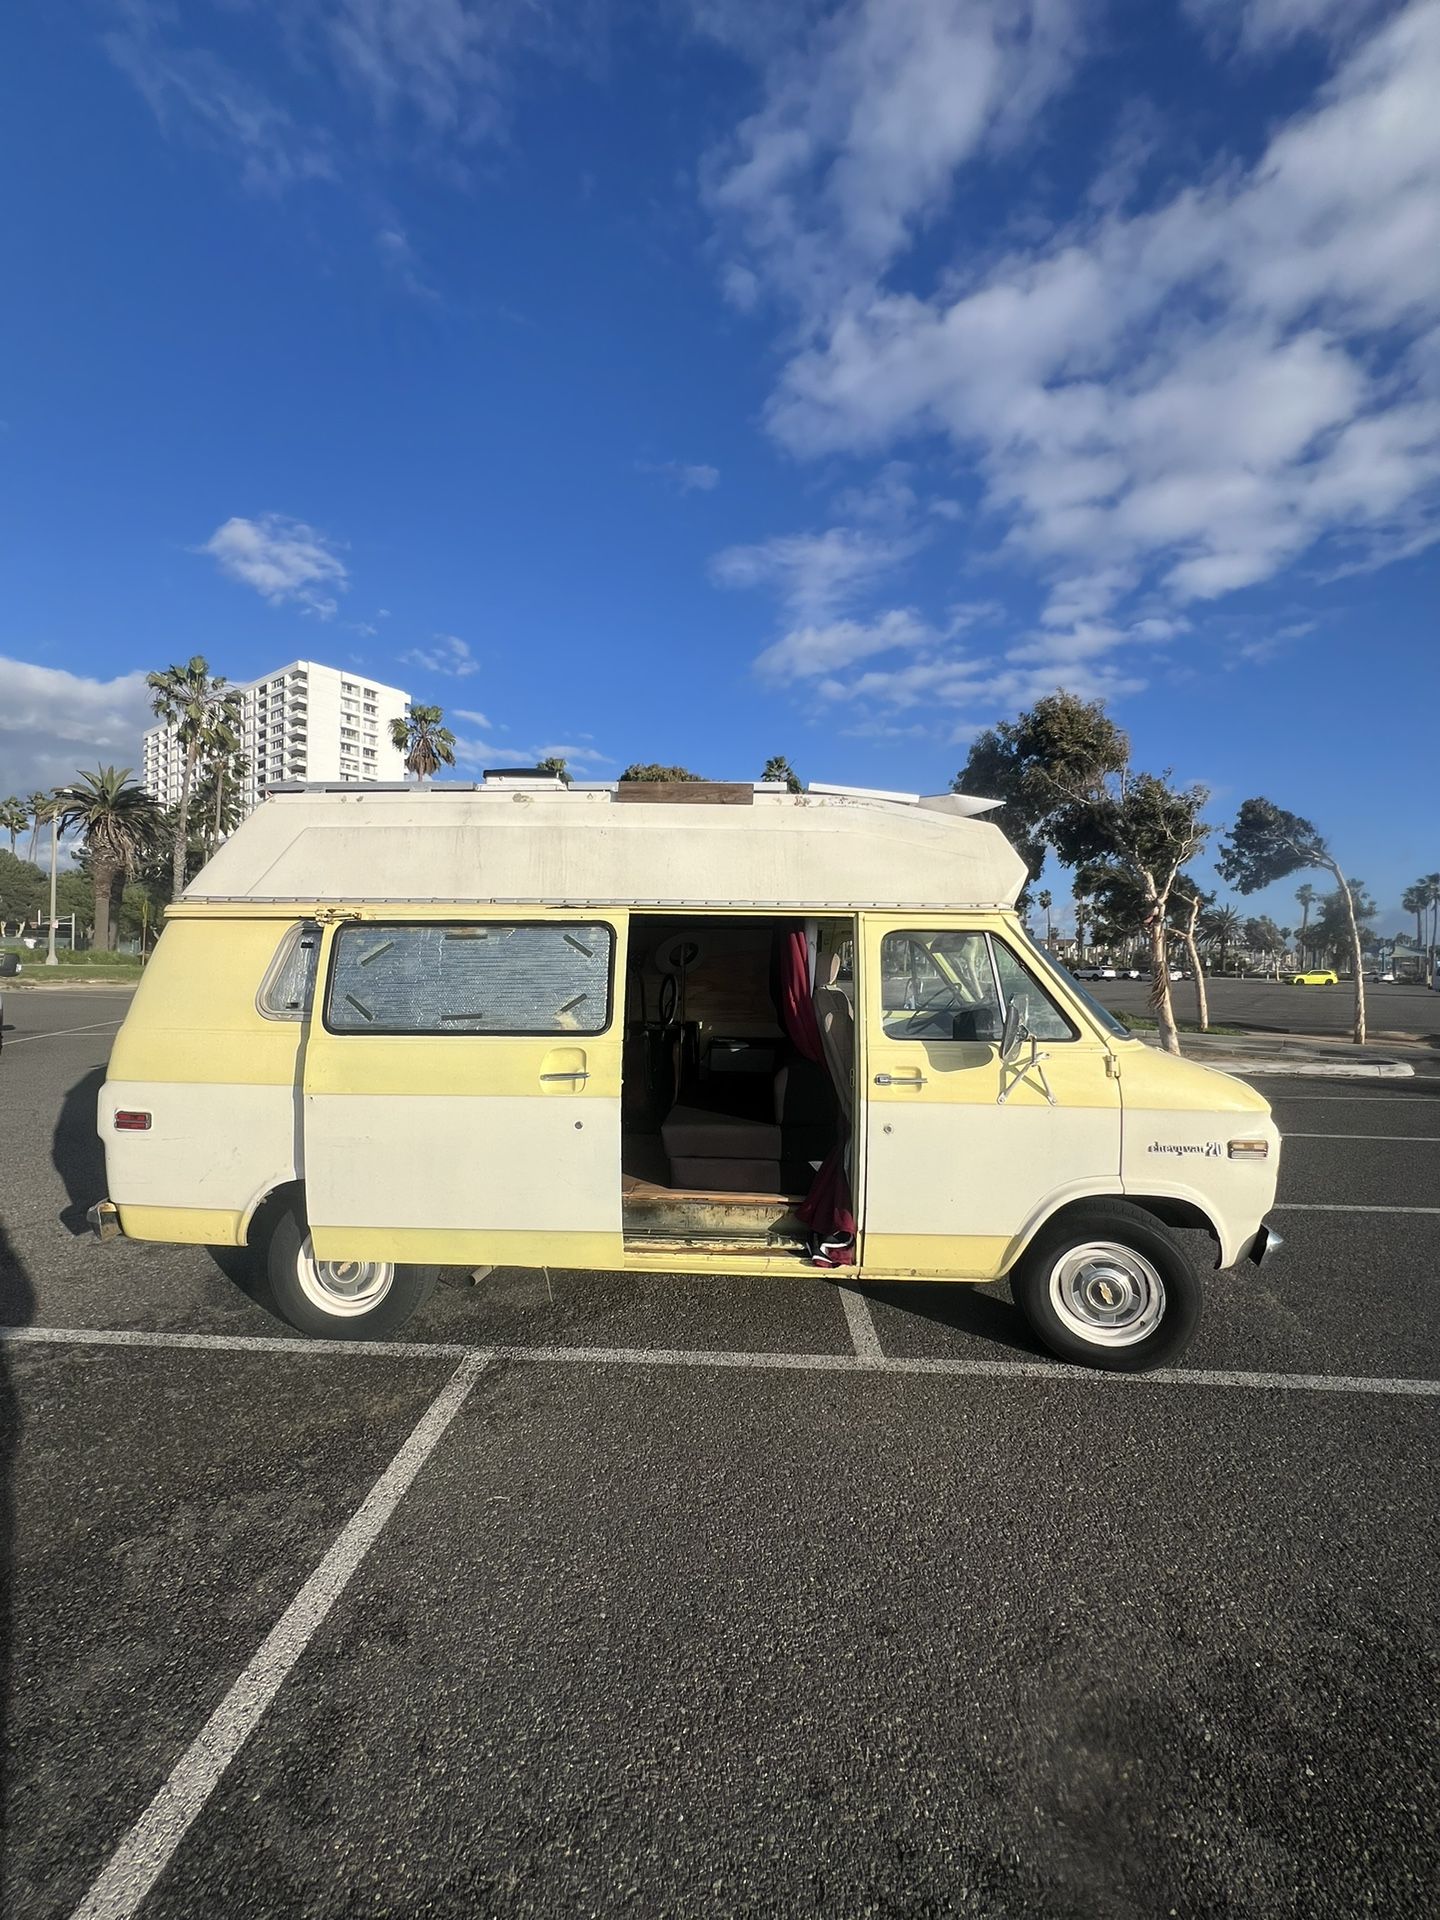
(660, 1028)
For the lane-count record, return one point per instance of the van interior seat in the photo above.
(712, 1144)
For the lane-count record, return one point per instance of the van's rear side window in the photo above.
(475, 978)
(288, 988)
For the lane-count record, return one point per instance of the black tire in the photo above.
(1127, 1229)
(281, 1243)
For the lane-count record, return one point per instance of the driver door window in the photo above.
(939, 986)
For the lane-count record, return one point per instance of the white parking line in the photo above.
(862, 1328)
(1341, 1206)
(147, 1849)
(58, 1033)
(1055, 1372)
(1420, 1139)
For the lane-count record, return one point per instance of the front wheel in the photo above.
(338, 1299)
(1108, 1287)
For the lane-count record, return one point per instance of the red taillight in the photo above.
(128, 1120)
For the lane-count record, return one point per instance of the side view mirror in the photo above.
(1016, 1031)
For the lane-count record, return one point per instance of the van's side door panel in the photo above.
(491, 1132)
(952, 1176)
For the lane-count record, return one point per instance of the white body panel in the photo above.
(214, 1145)
(543, 1163)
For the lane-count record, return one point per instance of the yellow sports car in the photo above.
(1316, 977)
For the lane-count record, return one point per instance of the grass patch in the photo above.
(1142, 1023)
(68, 965)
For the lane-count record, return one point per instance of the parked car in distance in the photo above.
(1374, 973)
(1096, 973)
(1173, 972)
(1316, 977)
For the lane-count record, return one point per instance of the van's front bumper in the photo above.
(104, 1218)
(1265, 1243)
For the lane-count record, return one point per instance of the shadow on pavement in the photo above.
(962, 1308)
(76, 1152)
(17, 1309)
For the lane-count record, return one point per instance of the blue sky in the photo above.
(698, 379)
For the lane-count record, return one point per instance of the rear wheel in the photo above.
(338, 1299)
(1107, 1286)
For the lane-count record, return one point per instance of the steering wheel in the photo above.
(669, 999)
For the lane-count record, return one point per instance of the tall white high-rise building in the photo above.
(302, 722)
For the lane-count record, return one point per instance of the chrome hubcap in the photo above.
(1107, 1294)
(342, 1286)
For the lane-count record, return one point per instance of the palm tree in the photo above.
(777, 768)
(1431, 883)
(14, 818)
(557, 764)
(426, 743)
(118, 819)
(187, 699)
(222, 768)
(1414, 900)
(1045, 901)
(1222, 927)
(1307, 896)
(39, 807)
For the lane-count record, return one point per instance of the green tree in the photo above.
(557, 763)
(424, 739)
(1307, 896)
(1188, 904)
(1414, 900)
(1430, 885)
(1221, 927)
(1063, 771)
(191, 701)
(14, 818)
(74, 893)
(1045, 901)
(219, 796)
(651, 770)
(118, 821)
(22, 888)
(1266, 844)
(1262, 936)
(1330, 930)
(39, 807)
(777, 768)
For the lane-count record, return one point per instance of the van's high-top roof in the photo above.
(524, 841)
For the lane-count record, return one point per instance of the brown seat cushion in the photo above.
(694, 1133)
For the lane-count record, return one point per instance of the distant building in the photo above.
(302, 722)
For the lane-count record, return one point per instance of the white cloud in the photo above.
(401, 263)
(863, 122)
(806, 652)
(474, 719)
(447, 654)
(815, 574)
(196, 95)
(1262, 25)
(284, 560)
(54, 723)
(1190, 398)
(685, 478)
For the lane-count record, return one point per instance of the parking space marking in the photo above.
(1054, 1371)
(58, 1033)
(146, 1850)
(1341, 1206)
(862, 1328)
(1415, 1139)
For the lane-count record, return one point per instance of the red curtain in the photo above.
(826, 1209)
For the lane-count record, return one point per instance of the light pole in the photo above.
(50, 956)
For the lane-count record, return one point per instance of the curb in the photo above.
(1311, 1069)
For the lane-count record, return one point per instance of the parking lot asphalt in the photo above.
(718, 1601)
(1274, 1006)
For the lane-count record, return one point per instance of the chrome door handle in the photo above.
(579, 1074)
(900, 1080)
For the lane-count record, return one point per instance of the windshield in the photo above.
(1103, 1014)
